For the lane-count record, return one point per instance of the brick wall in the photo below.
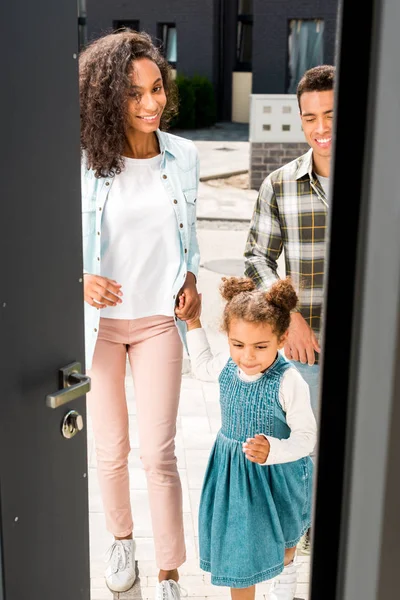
(267, 157)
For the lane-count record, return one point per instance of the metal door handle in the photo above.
(73, 385)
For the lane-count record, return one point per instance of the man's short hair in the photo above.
(317, 79)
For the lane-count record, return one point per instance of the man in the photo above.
(291, 214)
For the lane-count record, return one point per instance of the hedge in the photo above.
(197, 105)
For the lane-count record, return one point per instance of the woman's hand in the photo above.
(189, 302)
(101, 292)
(256, 449)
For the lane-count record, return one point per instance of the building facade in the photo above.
(241, 46)
(185, 27)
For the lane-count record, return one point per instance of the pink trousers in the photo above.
(155, 353)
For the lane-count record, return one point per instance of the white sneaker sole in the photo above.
(120, 589)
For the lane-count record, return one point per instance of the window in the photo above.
(244, 43)
(168, 36)
(306, 49)
(118, 25)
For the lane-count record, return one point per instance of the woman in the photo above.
(139, 188)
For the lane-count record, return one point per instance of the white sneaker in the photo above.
(121, 571)
(169, 590)
(284, 586)
(304, 545)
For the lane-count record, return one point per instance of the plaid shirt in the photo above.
(291, 213)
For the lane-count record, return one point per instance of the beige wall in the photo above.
(241, 90)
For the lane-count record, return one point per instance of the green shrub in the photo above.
(197, 104)
(186, 118)
(205, 105)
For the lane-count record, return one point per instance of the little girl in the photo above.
(256, 498)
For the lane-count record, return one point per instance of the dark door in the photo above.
(43, 483)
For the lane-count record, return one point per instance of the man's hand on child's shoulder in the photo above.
(256, 449)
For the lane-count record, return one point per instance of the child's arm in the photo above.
(295, 400)
(205, 365)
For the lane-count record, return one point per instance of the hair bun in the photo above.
(232, 286)
(283, 295)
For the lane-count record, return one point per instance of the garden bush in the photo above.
(197, 105)
(186, 117)
(205, 105)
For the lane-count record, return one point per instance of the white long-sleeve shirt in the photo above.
(294, 396)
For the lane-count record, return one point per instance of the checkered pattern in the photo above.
(291, 213)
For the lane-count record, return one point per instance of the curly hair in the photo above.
(105, 67)
(246, 302)
(317, 79)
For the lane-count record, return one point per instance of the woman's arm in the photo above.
(194, 252)
(189, 309)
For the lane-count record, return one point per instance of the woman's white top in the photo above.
(140, 241)
(294, 396)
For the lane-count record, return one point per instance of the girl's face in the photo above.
(253, 346)
(146, 96)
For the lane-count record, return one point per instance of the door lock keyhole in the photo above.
(72, 424)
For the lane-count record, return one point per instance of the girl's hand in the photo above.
(189, 306)
(101, 292)
(256, 449)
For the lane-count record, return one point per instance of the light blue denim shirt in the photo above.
(179, 174)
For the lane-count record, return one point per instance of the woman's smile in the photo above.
(150, 119)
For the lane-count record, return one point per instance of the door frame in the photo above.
(355, 544)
